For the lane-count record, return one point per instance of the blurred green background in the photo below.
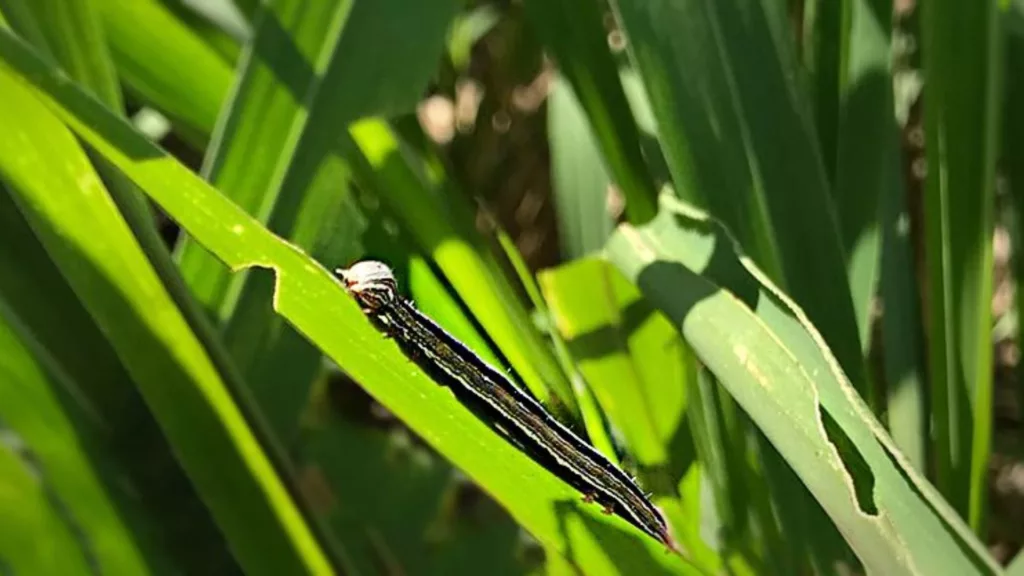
(763, 254)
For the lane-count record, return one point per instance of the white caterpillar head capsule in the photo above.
(372, 283)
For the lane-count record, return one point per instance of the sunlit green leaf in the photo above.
(764, 351)
(316, 305)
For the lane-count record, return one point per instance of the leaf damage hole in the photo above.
(856, 466)
(266, 279)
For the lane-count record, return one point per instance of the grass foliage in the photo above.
(692, 229)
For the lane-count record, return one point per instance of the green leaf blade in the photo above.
(313, 301)
(160, 351)
(723, 84)
(31, 408)
(961, 119)
(165, 64)
(764, 351)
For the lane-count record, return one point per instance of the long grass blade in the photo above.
(177, 377)
(724, 86)
(166, 65)
(961, 52)
(30, 407)
(575, 34)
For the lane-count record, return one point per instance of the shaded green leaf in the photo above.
(166, 65)
(961, 55)
(33, 537)
(75, 493)
(580, 182)
(574, 32)
(135, 452)
(400, 507)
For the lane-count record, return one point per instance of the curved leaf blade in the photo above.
(770, 358)
(96, 250)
